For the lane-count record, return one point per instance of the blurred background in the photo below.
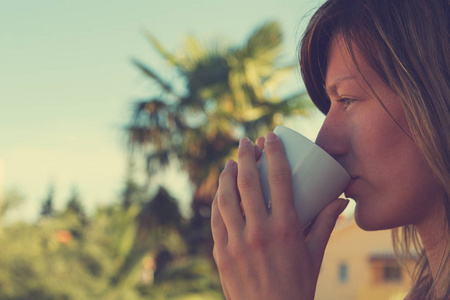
(116, 120)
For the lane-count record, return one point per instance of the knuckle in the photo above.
(215, 223)
(236, 251)
(214, 253)
(225, 175)
(246, 181)
(225, 199)
(246, 150)
(257, 238)
(280, 177)
(285, 231)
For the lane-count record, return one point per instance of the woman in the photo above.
(379, 70)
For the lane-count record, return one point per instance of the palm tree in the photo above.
(228, 92)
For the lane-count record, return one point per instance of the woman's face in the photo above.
(391, 182)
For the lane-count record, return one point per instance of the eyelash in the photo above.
(346, 101)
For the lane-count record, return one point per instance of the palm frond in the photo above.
(277, 77)
(168, 56)
(193, 53)
(265, 43)
(149, 72)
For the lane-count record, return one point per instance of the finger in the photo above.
(280, 178)
(228, 199)
(258, 152)
(260, 142)
(259, 147)
(218, 229)
(249, 184)
(322, 227)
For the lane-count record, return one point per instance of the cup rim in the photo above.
(313, 145)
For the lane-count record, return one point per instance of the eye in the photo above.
(346, 101)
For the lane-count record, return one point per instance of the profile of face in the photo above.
(392, 184)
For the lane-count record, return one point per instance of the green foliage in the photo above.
(74, 204)
(161, 211)
(187, 278)
(105, 256)
(132, 193)
(44, 261)
(47, 209)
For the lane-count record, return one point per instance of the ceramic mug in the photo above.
(317, 178)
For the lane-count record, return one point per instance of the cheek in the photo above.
(399, 186)
(385, 155)
(376, 145)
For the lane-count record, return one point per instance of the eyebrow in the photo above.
(336, 83)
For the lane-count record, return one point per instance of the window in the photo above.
(392, 273)
(386, 269)
(343, 273)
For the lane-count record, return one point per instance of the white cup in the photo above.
(317, 178)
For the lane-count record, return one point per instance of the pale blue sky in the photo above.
(67, 84)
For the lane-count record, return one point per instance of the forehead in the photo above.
(345, 66)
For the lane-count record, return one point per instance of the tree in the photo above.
(47, 209)
(133, 193)
(161, 211)
(74, 204)
(228, 92)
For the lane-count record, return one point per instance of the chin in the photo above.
(371, 221)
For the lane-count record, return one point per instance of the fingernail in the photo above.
(244, 142)
(231, 163)
(270, 137)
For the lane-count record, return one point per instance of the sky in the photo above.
(67, 85)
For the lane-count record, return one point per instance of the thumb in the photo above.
(321, 229)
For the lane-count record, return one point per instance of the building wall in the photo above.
(354, 248)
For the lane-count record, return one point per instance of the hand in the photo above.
(263, 255)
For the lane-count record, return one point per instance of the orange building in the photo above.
(361, 265)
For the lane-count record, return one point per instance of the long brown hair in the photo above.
(407, 43)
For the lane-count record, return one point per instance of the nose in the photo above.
(333, 137)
